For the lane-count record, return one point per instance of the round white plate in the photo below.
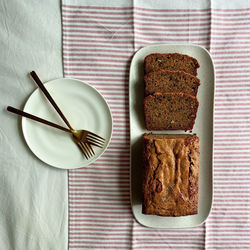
(83, 106)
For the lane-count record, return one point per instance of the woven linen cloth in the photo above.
(99, 41)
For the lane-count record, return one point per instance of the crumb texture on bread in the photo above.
(171, 170)
(170, 61)
(171, 81)
(170, 111)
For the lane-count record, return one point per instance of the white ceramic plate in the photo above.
(83, 106)
(203, 128)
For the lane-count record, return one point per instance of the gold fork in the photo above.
(86, 148)
(83, 138)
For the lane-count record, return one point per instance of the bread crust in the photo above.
(170, 174)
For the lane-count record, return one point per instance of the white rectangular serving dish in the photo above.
(203, 128)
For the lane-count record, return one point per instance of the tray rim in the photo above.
(156, 46)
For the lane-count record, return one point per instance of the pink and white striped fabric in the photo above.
(98, 44)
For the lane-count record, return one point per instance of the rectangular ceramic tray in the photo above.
(203, 128)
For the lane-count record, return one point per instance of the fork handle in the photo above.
(47, 94)
(36, 118)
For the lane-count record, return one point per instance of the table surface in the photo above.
(47, 208)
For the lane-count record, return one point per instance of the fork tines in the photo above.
(87, 149)
(95, 140)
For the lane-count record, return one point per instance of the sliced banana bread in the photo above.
(171, 81)
(170, 61)
(170, 111)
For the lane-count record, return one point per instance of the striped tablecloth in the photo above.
(98, 44)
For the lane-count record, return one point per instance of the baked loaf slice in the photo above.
(170, 61)
(170, 111)
(171, 81)
(171, 171)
